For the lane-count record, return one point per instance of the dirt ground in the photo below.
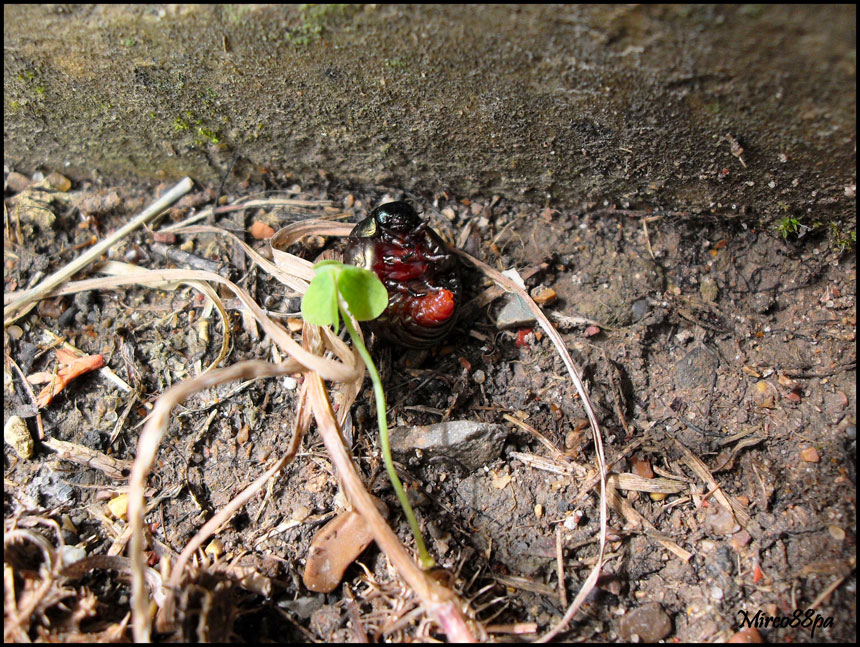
(699, 338)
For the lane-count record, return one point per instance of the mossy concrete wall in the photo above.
(646, 106)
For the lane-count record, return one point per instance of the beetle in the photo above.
(418, 270)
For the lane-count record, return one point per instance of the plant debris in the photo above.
(711, 402)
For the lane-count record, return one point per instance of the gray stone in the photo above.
(461, 443)
(514, 314)
(649, 622)
(697, 369)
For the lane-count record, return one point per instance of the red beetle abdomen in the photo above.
(433, 308)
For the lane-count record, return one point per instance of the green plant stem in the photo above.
(424, 557)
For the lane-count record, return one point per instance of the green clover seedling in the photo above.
(343, 290)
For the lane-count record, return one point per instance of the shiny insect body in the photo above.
(416, 267)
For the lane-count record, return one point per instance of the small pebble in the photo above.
(16, 182)
(59, 182)
(16, 433)
(810, 455)
(544, 296)
(118, 506)
(639, 309)
(463, 443)
(740, 539)
(748, 635)
(71, 554)
(215, 548)
(641, 467)
(261, 231)
(649, 623)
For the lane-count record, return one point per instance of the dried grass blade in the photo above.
(16, 309)
(628, 481)
(702, 471)
(292, 233)
(111, 467)
(558, 342)
(441, 603)
(329, 369)
(622, 507)
(296, 273)
(147, 448)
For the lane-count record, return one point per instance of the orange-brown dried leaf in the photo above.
(72, 367)
(337, 545)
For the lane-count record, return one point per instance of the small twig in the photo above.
(24, 302)
(179, 256)
(730, 504)
(546, 442)
(559, 562)
(111, 467)
(830, 588)
(616, 393)
(39, 425)
(147, 448)
(648, 238)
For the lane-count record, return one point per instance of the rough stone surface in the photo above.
(462, 443)
(709, 109)
(514, 314)
(649, 622)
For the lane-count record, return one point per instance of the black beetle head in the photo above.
(396, 216)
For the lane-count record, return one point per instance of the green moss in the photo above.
(396, 63)
(208, 135)
(314, 18)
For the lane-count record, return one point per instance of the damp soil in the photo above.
(702, 337)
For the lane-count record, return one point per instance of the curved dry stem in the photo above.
(440, 602)
(330, 369)
(558, 342)
(19, 621)
(147, 448)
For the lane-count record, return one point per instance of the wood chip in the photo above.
(337, 545)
